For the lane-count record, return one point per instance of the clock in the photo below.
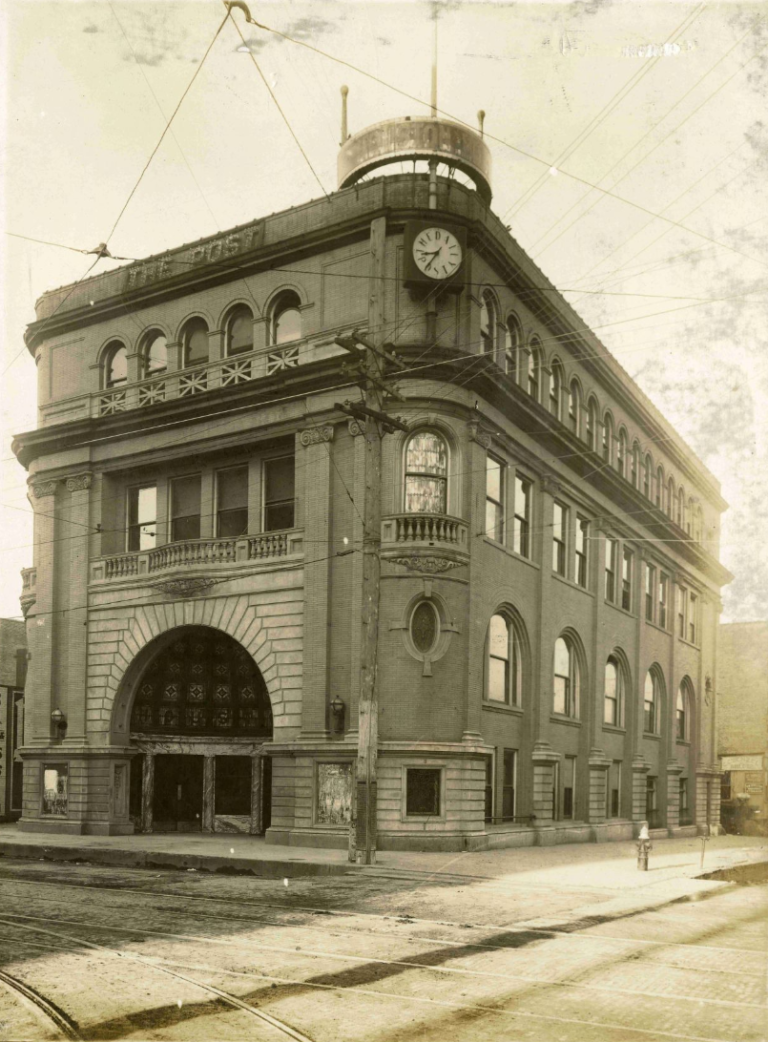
(437, 253)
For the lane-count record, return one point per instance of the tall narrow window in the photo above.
(650, 584)
(693, 608)
(508, 789)
(185, 508)
(240, 331)
(680, 516)
(512, 340)
(574, 408)
(494, 499)
(648, 480)
(671, 497)
(634, 474)
(569, 787)
(522, 525)
(592, 424)
(559, 537)
(426, 473)
(607, 438)
(488, 790)
(663, 598)
(487, 324)
(155, 355)
(683, 796)
(659, 487)
(534, 370)
(555, 390)
(681, 714)
(650, 704)
(652, 800)
(611, 551)
(195, 342)
(279, 493)
(680, 598)
(285, 320)
(613, 790)
(566, 679)
(621, 457)
(690, 517)
(613, 693)
(504, 662)
(626, 579)
(232, 502)
(580, 562)
(142, 518)
(115, 365)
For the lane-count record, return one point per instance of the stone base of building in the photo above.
(77, 828)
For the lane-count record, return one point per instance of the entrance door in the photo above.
(178, 799)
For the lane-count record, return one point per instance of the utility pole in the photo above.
(372, 363)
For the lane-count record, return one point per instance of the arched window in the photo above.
(660, 488)
(690, 517)
(651, 702)
(239, 331)
(505, 664)
(671, 497)
(699, 533)
(634, 475)
(680, 507)
(195, 342)
(592, 424)
(513, 338)
(534, 369)
(426, 474)
(555, 390)
(648, 478)
(621, 457)
(566, 679)
(613, 699)
(683, 712)
(574, 408)
(487, 323)
(607, 437)
(115, 365)
(155, 355)
(285, 320)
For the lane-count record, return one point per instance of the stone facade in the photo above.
(554, 470)
(13, 672)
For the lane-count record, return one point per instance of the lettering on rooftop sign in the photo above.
(210, 252)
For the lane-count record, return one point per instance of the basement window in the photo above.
(422, 797)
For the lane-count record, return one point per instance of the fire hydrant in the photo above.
(643, 847)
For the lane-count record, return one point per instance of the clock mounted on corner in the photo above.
(434, 255)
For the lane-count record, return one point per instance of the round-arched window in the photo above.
(195, 341)
(240, 331)
(426, 474)
(155, 355)
(425, 627)
(285, 320)
(574, 407)
(513, 338)
(566, 679)
(115, 365)
(614, 694)
(651, 703)
(505, 672)
(487, 323)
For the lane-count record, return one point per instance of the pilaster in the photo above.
(209, 792)
(543, 759)
(147, 790)
(478, 442)
(42, 619)
(599, 765)
(74, 624)
(640, 768)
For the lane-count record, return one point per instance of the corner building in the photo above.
(550, 586)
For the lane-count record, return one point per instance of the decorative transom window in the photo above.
(285, 319)
(426, 474)
(115, 365)
(239, 331)
(505, 666)
(155, 354)
(566, 679)
(195, 341)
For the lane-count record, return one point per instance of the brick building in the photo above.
(13, 671)
(550, 585)
(742, 720)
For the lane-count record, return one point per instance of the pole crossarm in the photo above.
(363, 412)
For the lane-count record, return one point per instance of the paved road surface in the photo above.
(92, 952)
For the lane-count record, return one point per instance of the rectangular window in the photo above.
(494, 499)
(335, 782)
(142, 518)
(522, 533)
(232, 502)
(55, 789)
(663, 598)
(569, 787)
(650, 584)
(680, 595)
(279, 493)
(422, 795)
(580, 562)
(559, 535)
(725, 786)
(611, 550)
(651, 800)
(683, 789)
(508, 790)
(693, 607)
(488, 789)
(185, 508)
(613, 790)
(626, 580)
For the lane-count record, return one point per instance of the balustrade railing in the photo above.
(430, 529)
(269, 544)
(191, 552)
(121, 566)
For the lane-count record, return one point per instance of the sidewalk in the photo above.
(585, 866)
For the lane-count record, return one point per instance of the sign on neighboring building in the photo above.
(742, 763)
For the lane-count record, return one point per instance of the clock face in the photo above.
(437, 253)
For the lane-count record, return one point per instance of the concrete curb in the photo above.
(265, 869)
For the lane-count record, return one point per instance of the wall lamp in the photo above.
(338, 712)
(59, 720)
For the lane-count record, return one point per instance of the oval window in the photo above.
(424, 627)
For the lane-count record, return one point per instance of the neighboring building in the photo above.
(550, 582)
(742, 723)
(13, 672)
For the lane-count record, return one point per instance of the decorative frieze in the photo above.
(184, 587)
(316, 435)
(430, 564)
(79, 482)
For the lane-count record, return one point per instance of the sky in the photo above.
(660, 106)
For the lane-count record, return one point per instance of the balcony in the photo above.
(200, 556)
(425, 542)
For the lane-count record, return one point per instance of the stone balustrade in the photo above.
(424, 530)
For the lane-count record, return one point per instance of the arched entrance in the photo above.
(200, 716)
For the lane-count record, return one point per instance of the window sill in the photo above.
(501, 707)
(560, 718)
(510, 553)
(656, 626)
(683, 741)
(573, 585)
(690, 644)
(618, 607)
(423, 819)
(655, 737)
(614, 729)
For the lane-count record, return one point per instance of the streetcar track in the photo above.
(372, 960)
(40, 1005)
(368, 992)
